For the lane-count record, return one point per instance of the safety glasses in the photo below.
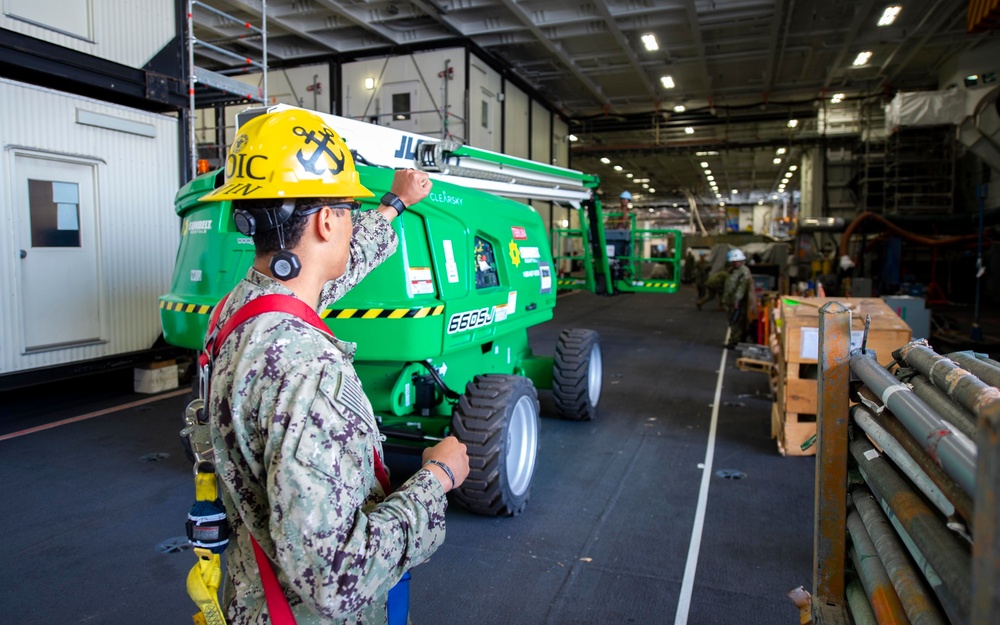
(353, 207)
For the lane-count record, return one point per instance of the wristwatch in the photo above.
(391, 199)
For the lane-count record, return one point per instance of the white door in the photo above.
(483, 113)
(59, 273)
(401, 107)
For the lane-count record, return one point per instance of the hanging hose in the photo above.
(846, 262)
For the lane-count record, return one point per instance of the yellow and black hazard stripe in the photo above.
(660, 285)
(332, 313)
(186, 308)
(382, 313)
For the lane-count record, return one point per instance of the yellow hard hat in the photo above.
(290, 153)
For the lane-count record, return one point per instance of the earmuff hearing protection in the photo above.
(285, 265)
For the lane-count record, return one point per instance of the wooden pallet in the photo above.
(751, 364)
(792, 430)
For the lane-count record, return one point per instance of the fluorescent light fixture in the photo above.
(573, 138)
(722, 203)
(837, 98)
(369, 83)
(668, 82)
(709, 153)
(792, 123)
(679, 108)
(889, 15)
(710, 178)
(704, 164)
(776, 161)
(689, 130)
(605, 160)
(675, 204)
(652, 190)
(618, 167)
(629, 175)
(708, 171)
(792, 167)
(649, 40)
(735, 191)
(862, 58)
(780, 151)
(972, 77)
(784, 181)
(645, 185)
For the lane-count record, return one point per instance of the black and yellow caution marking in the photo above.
(186, 308)
(382, 313)
(332, 313)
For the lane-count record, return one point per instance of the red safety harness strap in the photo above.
(277, 603)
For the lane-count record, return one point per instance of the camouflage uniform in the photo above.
(713, 286)
(294, 437)
(738, 286)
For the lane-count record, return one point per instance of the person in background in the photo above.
(736, 296)
(714, 286)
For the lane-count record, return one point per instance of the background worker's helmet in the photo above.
(290, 153)
(625, 195)
(735, 255)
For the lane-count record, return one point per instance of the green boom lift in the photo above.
(442, 325)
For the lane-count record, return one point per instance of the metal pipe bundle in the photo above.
(912, 594)
(979, 367)
(939, 400)
(884, 601)
(954, 451)
(973, 394)
(923, 532)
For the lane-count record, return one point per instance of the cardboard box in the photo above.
(156, 377)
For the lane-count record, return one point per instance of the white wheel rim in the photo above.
(595, 373)
(522, 446)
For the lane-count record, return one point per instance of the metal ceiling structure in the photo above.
(741, 69)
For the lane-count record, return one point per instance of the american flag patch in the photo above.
(350, 394)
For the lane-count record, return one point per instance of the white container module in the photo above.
(89, 231)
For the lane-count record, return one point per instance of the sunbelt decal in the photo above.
(471, 319)
(198, 226)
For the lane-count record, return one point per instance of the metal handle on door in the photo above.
(23, 254)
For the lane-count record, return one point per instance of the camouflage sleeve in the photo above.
(374, 240)
(336, 553)
(742, 284)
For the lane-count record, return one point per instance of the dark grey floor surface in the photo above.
(91, 509)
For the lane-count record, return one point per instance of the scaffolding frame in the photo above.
(215, 80)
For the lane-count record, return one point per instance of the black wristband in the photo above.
(391, 199)
(445, 468)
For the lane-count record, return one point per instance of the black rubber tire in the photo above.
(577, 374)
(497, 419)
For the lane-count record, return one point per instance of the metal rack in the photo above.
(923, 532)
(920, 170)
(217, 83)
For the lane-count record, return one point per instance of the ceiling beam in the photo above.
(860, 14)
(623, 43)
(557, 51)
(699, 45)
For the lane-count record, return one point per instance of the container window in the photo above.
(54, 210)
(400, 106)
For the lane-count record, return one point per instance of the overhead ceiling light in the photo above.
(675, 204)
(777, 161)
(792, 167)
(780, 151)
(792, 123)
(760, 202)
(629, 175)
(645, 185)
(708, 171)
(369, 83)
(689, 130)
(652, 190)
(618, 167)
(709, 153)
(605, 160)
(862, 58)
(735, 191)
(889, 15)
(679, 108)
(837, 98)
(704, 164)
(649, 40)
(722, 203)
(668, 82)
(573, 138)
(784, 181)
(711, 177)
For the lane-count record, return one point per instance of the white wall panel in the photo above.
(541, 133)
(123, 31)
(516, 121)
(485, 115)
(136, 179)
(560, 144)
(423, 75)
